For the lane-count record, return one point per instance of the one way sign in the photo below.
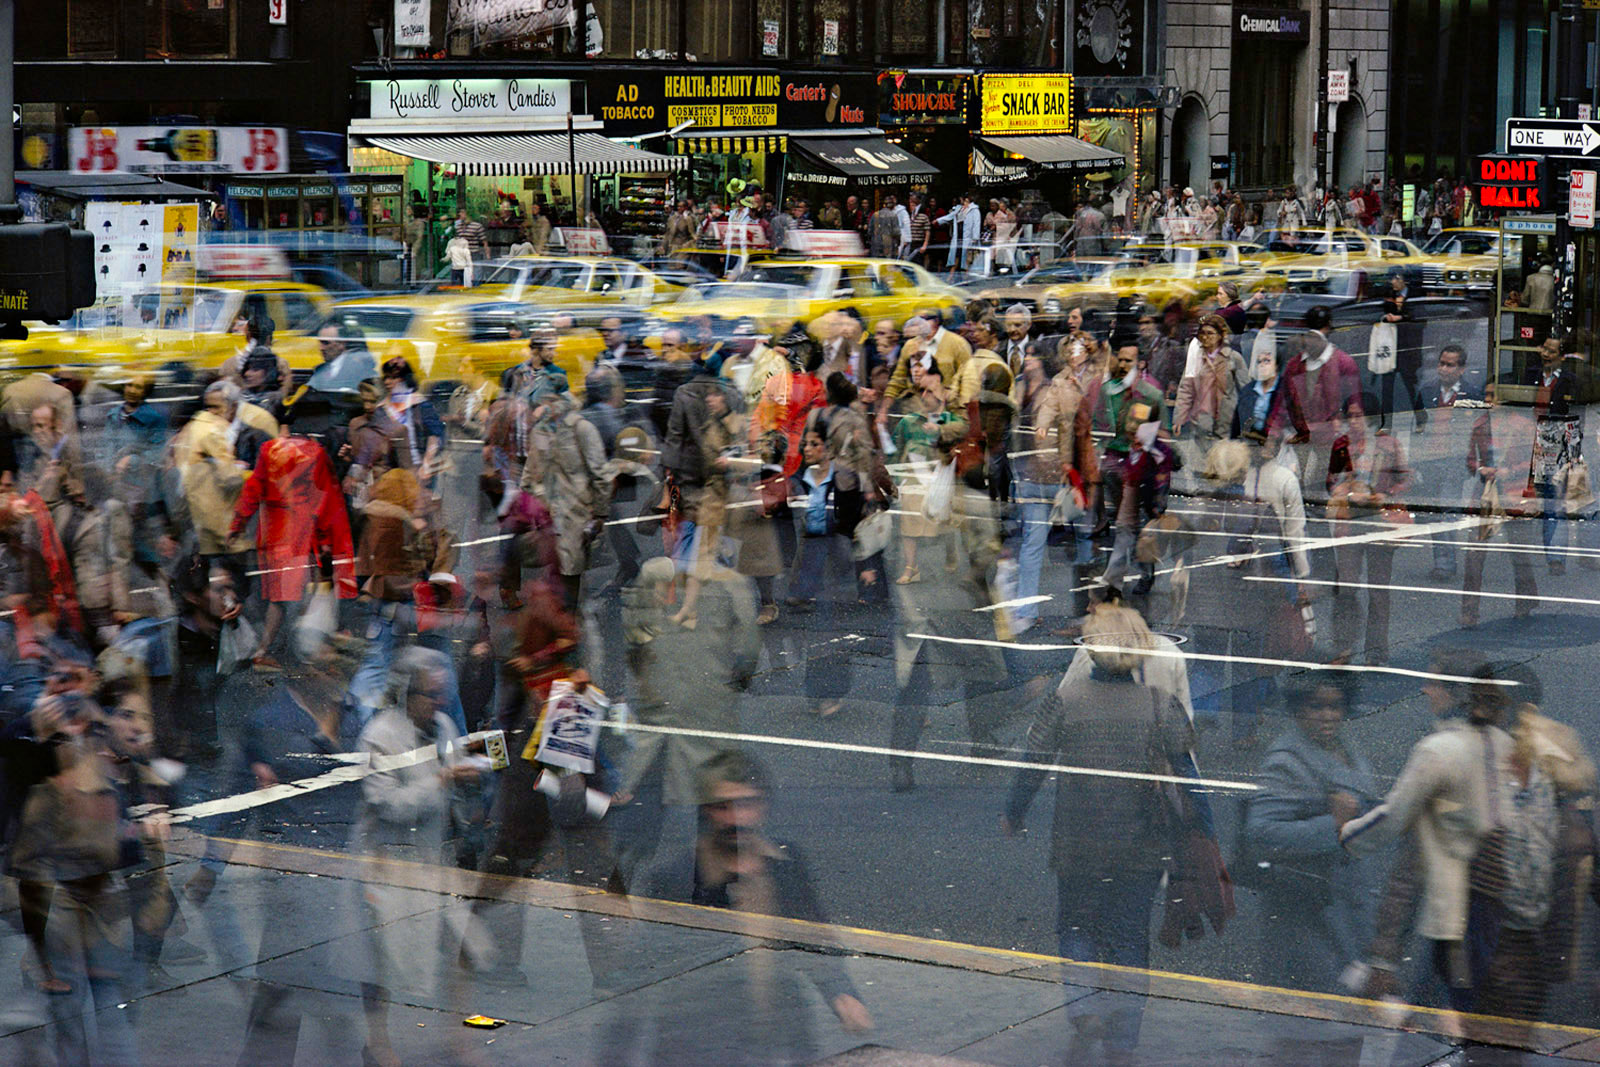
(1554, 137)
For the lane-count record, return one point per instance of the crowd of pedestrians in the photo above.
(209, 590)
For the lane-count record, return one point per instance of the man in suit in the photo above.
(1015, 347)
(1451, 437)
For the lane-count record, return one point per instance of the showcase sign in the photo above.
(1267, 24)
(470, 98)
(922, 99)
(753, 101)
(1025, 103)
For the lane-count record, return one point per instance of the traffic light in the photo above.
(46, 271)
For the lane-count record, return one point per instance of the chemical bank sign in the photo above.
(470, 98)
(1269, 24)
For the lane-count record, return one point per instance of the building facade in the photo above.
(1251, 81)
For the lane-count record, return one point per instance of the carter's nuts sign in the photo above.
(1025, 103)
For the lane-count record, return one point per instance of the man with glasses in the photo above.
(620, 342)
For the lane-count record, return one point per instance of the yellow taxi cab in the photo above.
(1305, 255)
(197, 325)
(765, 304)
(1158, 273)
(875, 288)
(1030, 288)
(455, 336)
(577, 280)
(1465, 258)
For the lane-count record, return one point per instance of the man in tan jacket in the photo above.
(950, 351)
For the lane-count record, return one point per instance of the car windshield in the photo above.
(1304, 244)
(724, 291)
(513, 271)
(368, 321)
(803, 275)
(1462, 244)
(558, 276)
(344, 375)
(1070, 271)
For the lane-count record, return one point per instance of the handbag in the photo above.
(1491, 512)
(871, 536)
(1383, 357)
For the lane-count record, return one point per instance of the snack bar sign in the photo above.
(1025, 103)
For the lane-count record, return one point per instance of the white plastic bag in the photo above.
(1066, 508)
(1384, 355)
(871, 536)
(317, 623)
(938, 504)
(236, 643)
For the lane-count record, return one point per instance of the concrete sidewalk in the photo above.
(671, 989)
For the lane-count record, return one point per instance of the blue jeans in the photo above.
(1033, 506)
(1107, 920)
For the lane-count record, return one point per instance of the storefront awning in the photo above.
(1056, 152)
(856, 160)
(108, 185)
(528, 153)
(986, 172)
(731, 144)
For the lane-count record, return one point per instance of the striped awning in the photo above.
(731, 145)
(528, 153)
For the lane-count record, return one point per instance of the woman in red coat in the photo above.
(302, 513)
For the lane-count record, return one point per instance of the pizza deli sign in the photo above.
(1026, 103)
(470, 98)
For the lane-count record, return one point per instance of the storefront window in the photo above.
(638, 30)
(91, 28)
(187, 28)
(719, 30)
(906, 29)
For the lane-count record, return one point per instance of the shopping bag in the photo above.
(1491, 511)
(871, 536)
(317, 623)
(1067, 507)
(569, 731)
(1578, 489)
(236, 642)
(938, 504)
(1383, 357)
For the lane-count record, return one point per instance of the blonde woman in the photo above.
(1111, 834)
